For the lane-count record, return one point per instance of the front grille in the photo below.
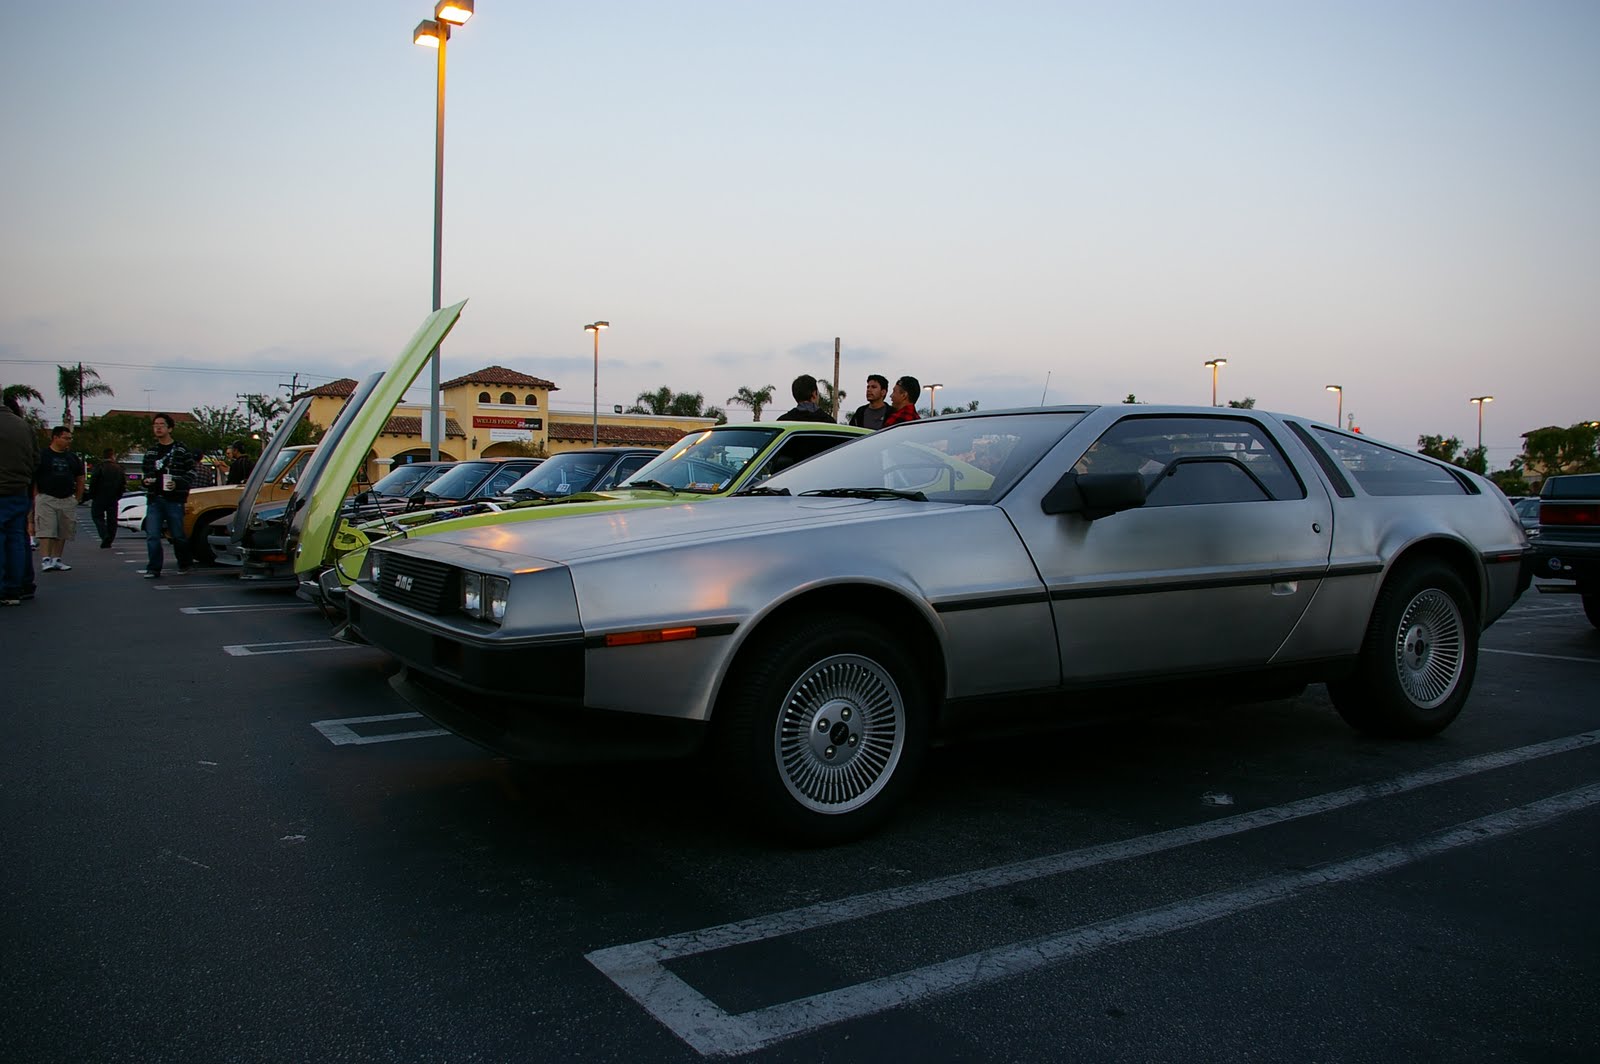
(422, 585)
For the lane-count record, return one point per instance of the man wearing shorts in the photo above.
(59, 485)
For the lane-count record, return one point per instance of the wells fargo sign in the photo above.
(527, 423)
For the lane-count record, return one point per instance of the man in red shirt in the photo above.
(903, 398)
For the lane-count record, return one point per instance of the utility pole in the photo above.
(836, 378)
(80, 394)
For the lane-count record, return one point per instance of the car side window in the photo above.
(503, 479)
(292, 477)
(796, 449)
(1384, 471)
(1188, 461)
(625, 469)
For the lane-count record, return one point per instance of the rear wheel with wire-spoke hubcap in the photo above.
(1418, 658)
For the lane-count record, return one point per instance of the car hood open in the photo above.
(313, 512)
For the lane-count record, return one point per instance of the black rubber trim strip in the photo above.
(989, 602)
(1209, 585)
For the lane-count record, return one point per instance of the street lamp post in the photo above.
(1215, 364)
(596, 327)
(1478, 401)
(933, 398)
(434, 33)
(1338, 418)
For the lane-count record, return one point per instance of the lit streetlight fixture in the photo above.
(1479, 401)
(1215, 364)
(933, 398)
(434, 33)
(1338, 419)
(596, 327)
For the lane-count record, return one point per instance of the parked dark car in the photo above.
(396, 491)
(574, 472)
(1568, 544)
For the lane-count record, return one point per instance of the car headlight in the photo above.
(498, 590)
(472, 594)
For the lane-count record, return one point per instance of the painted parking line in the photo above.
(1530, 654)
(339, 733)
(639, 968)
(201, 611)
(293, 646)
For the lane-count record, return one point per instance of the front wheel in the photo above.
(821, 728)
(1418, 658)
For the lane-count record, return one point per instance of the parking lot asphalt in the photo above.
(226, 838)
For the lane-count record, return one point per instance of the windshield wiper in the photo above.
(762, 489)
(528, 493)
(658, 485)
(867, 493)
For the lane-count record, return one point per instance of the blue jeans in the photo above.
(166, 513)
(14, 543)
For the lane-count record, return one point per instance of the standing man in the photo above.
(804, 390)
(105, 488)
(59, 489)
(239, 463)
(18, 460)
(871, 414)
(904, 400)
(167, 467)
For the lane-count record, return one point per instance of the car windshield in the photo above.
(401, 480)
(705, 462)
(460, 480)
(280, 463)
(960, 459)
(563, 474)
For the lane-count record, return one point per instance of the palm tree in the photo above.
(78, 382)
(18, 392)
(755, 398)
(264, 407)
(826, 402)
(656, 402)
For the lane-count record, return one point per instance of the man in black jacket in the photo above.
(19, 456)
(167, 469)
(804, 389)
(106, 484)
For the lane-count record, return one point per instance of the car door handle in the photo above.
(1285, 587)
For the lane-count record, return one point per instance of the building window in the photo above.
(532, 400)
(507, 399)
(483, 398)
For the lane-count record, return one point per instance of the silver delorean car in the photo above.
(818, 630)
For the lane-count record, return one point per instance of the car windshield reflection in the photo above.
(704, 462)
(964, 459)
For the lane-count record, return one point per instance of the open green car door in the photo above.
(314, 515)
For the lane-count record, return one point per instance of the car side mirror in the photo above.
(1094, 495)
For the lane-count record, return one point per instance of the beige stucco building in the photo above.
(497, 411)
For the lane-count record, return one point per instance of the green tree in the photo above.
(1511, 480)
(78, 382)
(1552, 450)
(757, 399)
(960, 409)
(120, 433)
(658, 402)
(667, 403)
(214, 427)
(263, 410)
(1131, 400)
(1444, 448)
(1247, 403)
(19, 393)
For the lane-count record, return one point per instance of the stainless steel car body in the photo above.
(1002, 596)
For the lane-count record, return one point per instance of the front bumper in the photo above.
(523, 700)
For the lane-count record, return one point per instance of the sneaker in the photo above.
(10, 602)
(47, 565)
(148, 575)
(185, 570)
(62, 567)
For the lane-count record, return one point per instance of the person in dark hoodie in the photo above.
(19, 457)
(106, 484)
(804, 390)
(167, 469)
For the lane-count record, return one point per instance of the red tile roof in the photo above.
(339, 389)
(616, 435)
(500, 375)
(411, 425)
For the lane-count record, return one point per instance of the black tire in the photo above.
(1418, 658)
(821, 728)
(1591, 607)
(199, 546)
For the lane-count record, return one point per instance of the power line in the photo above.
(165, 369)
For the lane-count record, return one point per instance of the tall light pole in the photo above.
(1215, 364)
(1338, 419)
(434, 33)
(1478, 401)
(933, 399)
(596, 327)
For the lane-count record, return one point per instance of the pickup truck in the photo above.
(1568, 544)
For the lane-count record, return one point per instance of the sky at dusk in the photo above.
(1402, 198)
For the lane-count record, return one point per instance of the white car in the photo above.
(130, 512)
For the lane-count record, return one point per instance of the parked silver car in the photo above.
(821, 628)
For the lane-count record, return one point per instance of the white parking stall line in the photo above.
(639, 969)
(201, 611)
(1530, 654)
(293, 646)
(339, 733)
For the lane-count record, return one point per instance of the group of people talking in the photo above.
(885, 406)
